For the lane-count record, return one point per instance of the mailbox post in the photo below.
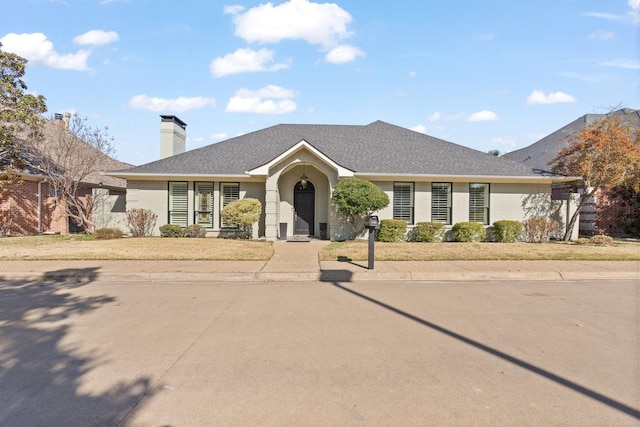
(373, 224)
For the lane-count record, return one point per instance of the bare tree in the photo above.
(73, 156)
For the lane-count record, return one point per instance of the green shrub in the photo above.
(539, 229)
(428, 232)
(468, 232)
(242, 213)
(355, 197)
(194, 230)
(170, 230)
(507, 231)
(391, 230)
(108, 233)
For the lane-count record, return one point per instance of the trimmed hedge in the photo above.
(428, 232)
(171, 230)
(507, 231)
(468, 232)
(391, 230)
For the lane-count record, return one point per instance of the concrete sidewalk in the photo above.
(298, 261)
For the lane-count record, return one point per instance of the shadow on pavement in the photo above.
(335, 276)
(348, 260)
(518, 362)
(40, 375)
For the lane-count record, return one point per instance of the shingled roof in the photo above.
(377, 148)
(33, 155)
(539, 154)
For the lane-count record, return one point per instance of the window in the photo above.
(403, 201)
(479, 203)
(229, 192)
(203, 204)
(441, 202)
(178, 203)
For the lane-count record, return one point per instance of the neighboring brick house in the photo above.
(28, 201)
(602, 213)
(292, 170)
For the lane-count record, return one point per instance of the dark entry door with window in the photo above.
(304, 207)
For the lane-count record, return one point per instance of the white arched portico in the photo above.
(282, 176)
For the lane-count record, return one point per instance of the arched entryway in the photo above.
(304, 206)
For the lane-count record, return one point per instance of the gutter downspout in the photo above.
(39, 207)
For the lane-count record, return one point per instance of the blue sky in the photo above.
(487, 74)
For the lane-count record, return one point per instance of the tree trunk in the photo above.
(574, 218)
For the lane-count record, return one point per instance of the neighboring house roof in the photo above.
(539, 154)
(32, 158)
(375, 149)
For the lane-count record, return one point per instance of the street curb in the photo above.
(321, 276)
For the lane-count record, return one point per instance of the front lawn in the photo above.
(453, 251)
(82, 247)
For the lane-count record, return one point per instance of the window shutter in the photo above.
(230, 193)
(441, 202)
(403, 202)
(178, 204)
(479, 203)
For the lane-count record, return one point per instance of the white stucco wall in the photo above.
(152, 195)
(109, 209)
(507, 201)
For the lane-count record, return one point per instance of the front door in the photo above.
(304, 208)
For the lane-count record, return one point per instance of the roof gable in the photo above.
(302, 145)
(539, 154)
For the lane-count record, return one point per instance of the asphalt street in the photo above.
(140, 353)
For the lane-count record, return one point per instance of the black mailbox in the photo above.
(372, 222)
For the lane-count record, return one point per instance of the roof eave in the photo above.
(466, 178)
(175, 176)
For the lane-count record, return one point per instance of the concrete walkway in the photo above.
(298, 261)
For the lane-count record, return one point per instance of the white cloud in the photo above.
(180, 104)
(435, 117)
(221, 135)
(262, 101)
(97, 37)
(539, 97)
(484, 38)
(233, 9)
(483, 116)
(605, 16)
(601, 35)
(39, 50)
(319, 24)
(419, 128)
(245, 61)
(629, 64)
(343, 53)
(412, 74)
(635, 10)
(439, 117)
(269, 91)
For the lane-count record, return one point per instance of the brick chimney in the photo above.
(173, 136)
